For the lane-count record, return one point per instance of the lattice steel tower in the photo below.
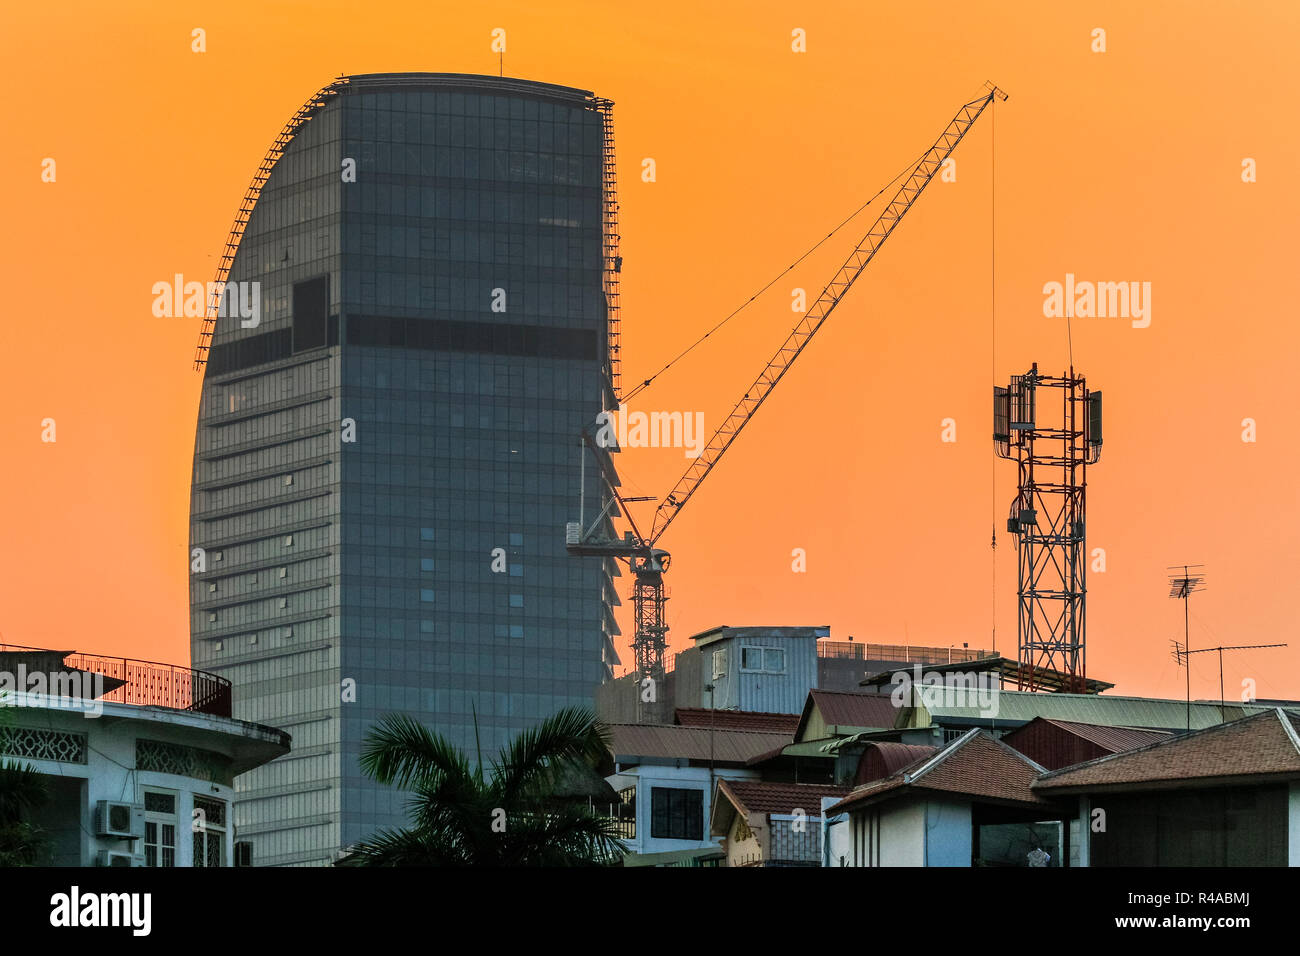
(1048, 516)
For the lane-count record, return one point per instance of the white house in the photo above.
(139, 758)
(667, 775)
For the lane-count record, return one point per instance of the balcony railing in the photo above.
(151, 684)
(899, 652)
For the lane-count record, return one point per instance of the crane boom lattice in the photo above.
(649, 563)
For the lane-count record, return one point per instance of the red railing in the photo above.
(151, 684)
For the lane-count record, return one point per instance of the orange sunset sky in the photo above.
(1117, 166)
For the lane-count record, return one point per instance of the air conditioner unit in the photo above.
(125, 820)
(118, 858)
(243, 853)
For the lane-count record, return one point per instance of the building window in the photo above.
(426, 564)
(426, 595)
(516, 600)
(159, 828)
(720, 662)
(209, 832)
(426, 534)
(676, 814)
(762, 660)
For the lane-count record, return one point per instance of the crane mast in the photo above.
(649, 563)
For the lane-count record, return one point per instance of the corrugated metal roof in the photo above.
(757, 721)
(883, 758)
(1016, 706)
(858, 711)
(629, 741)
(1114, 739)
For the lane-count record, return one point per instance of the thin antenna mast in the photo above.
(1182, 586)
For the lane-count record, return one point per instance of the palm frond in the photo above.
(402, 751)
(530, 762)
(22, 789)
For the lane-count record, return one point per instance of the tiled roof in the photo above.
(846, 709)
(755, 796)
(629, 741)
(1262, 744)
(753, 720)
(975, 765)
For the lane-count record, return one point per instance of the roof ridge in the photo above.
(944, 753)
(1288, 727)
(719, 730)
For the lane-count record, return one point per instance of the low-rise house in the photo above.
(139, 758)
(968, 802)
(665, 776)
(1227, 795)
(770, 824)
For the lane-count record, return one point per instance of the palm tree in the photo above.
(512, 816)
(22, 790)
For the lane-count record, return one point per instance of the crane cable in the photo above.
(993, 349)
(646, 383)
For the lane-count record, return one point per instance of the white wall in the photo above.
(837, 845)
(888, 834)
(649, 776)
(109, 774)
(1293, 825)
(906, 833)
(902, 833)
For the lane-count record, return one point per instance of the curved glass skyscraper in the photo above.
(387, 452)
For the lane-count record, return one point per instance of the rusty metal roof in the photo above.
(848, 712)
(1112, 739)
(662, 741)
(758, 721)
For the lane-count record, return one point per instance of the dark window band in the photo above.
(447, 335)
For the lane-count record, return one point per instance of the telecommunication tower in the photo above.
(1048, 518)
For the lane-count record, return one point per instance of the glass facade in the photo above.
(385, 463)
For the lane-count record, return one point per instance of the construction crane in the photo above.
(647, 562)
